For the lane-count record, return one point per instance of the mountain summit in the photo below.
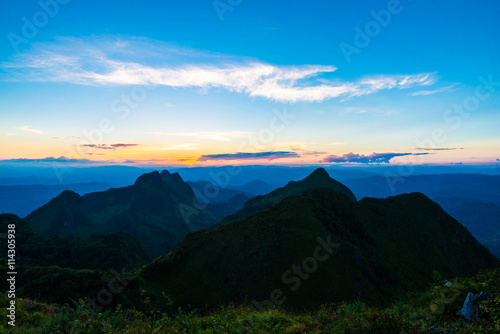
(318, 178)
(158, 209)
(319, 173)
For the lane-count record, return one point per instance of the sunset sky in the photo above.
(249, 82)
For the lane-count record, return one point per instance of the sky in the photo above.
(228, 82)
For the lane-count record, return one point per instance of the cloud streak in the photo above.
(249, 156)
(431, 92)
(110, 61)
(109, 147)
(366, 159)
(440, 148)
(28, 129)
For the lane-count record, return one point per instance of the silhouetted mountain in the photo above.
(23, 199)
(318, 178)
(318, 247)
(159, 209)
(473, 199)
(99, 252)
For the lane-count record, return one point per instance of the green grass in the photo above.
(432, 311)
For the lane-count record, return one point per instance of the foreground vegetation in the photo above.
(432, 311)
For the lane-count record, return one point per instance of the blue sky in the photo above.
(244, 82)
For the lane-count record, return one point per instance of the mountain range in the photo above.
(158, 210)
(311, 243)
(21, 200)
(308, 243)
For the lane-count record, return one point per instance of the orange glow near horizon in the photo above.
(40, 147)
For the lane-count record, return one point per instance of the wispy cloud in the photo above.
(435, 91)
(440, 148)
(136, 61)
(376, 83)
(123, 145)
(28, 129)
(99, 147)
(366, 159)
(109, 147)
(251, 156)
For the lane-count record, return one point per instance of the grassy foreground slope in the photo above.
(432, 311)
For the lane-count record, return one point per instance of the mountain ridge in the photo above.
(318, 178)
(158, 209)
(387, 247)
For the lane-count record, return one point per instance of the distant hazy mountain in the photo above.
(23, 199)
(66, 174)
(317, 247)
(219, 202)
(207, 192)
(159, 209)
(99, 252)
(318, 178)
(256, 188)
(472, 187)
(482, 219)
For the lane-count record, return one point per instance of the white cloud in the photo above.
(376, 83)
(138, 61)
(430, 92)
(27, 129)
